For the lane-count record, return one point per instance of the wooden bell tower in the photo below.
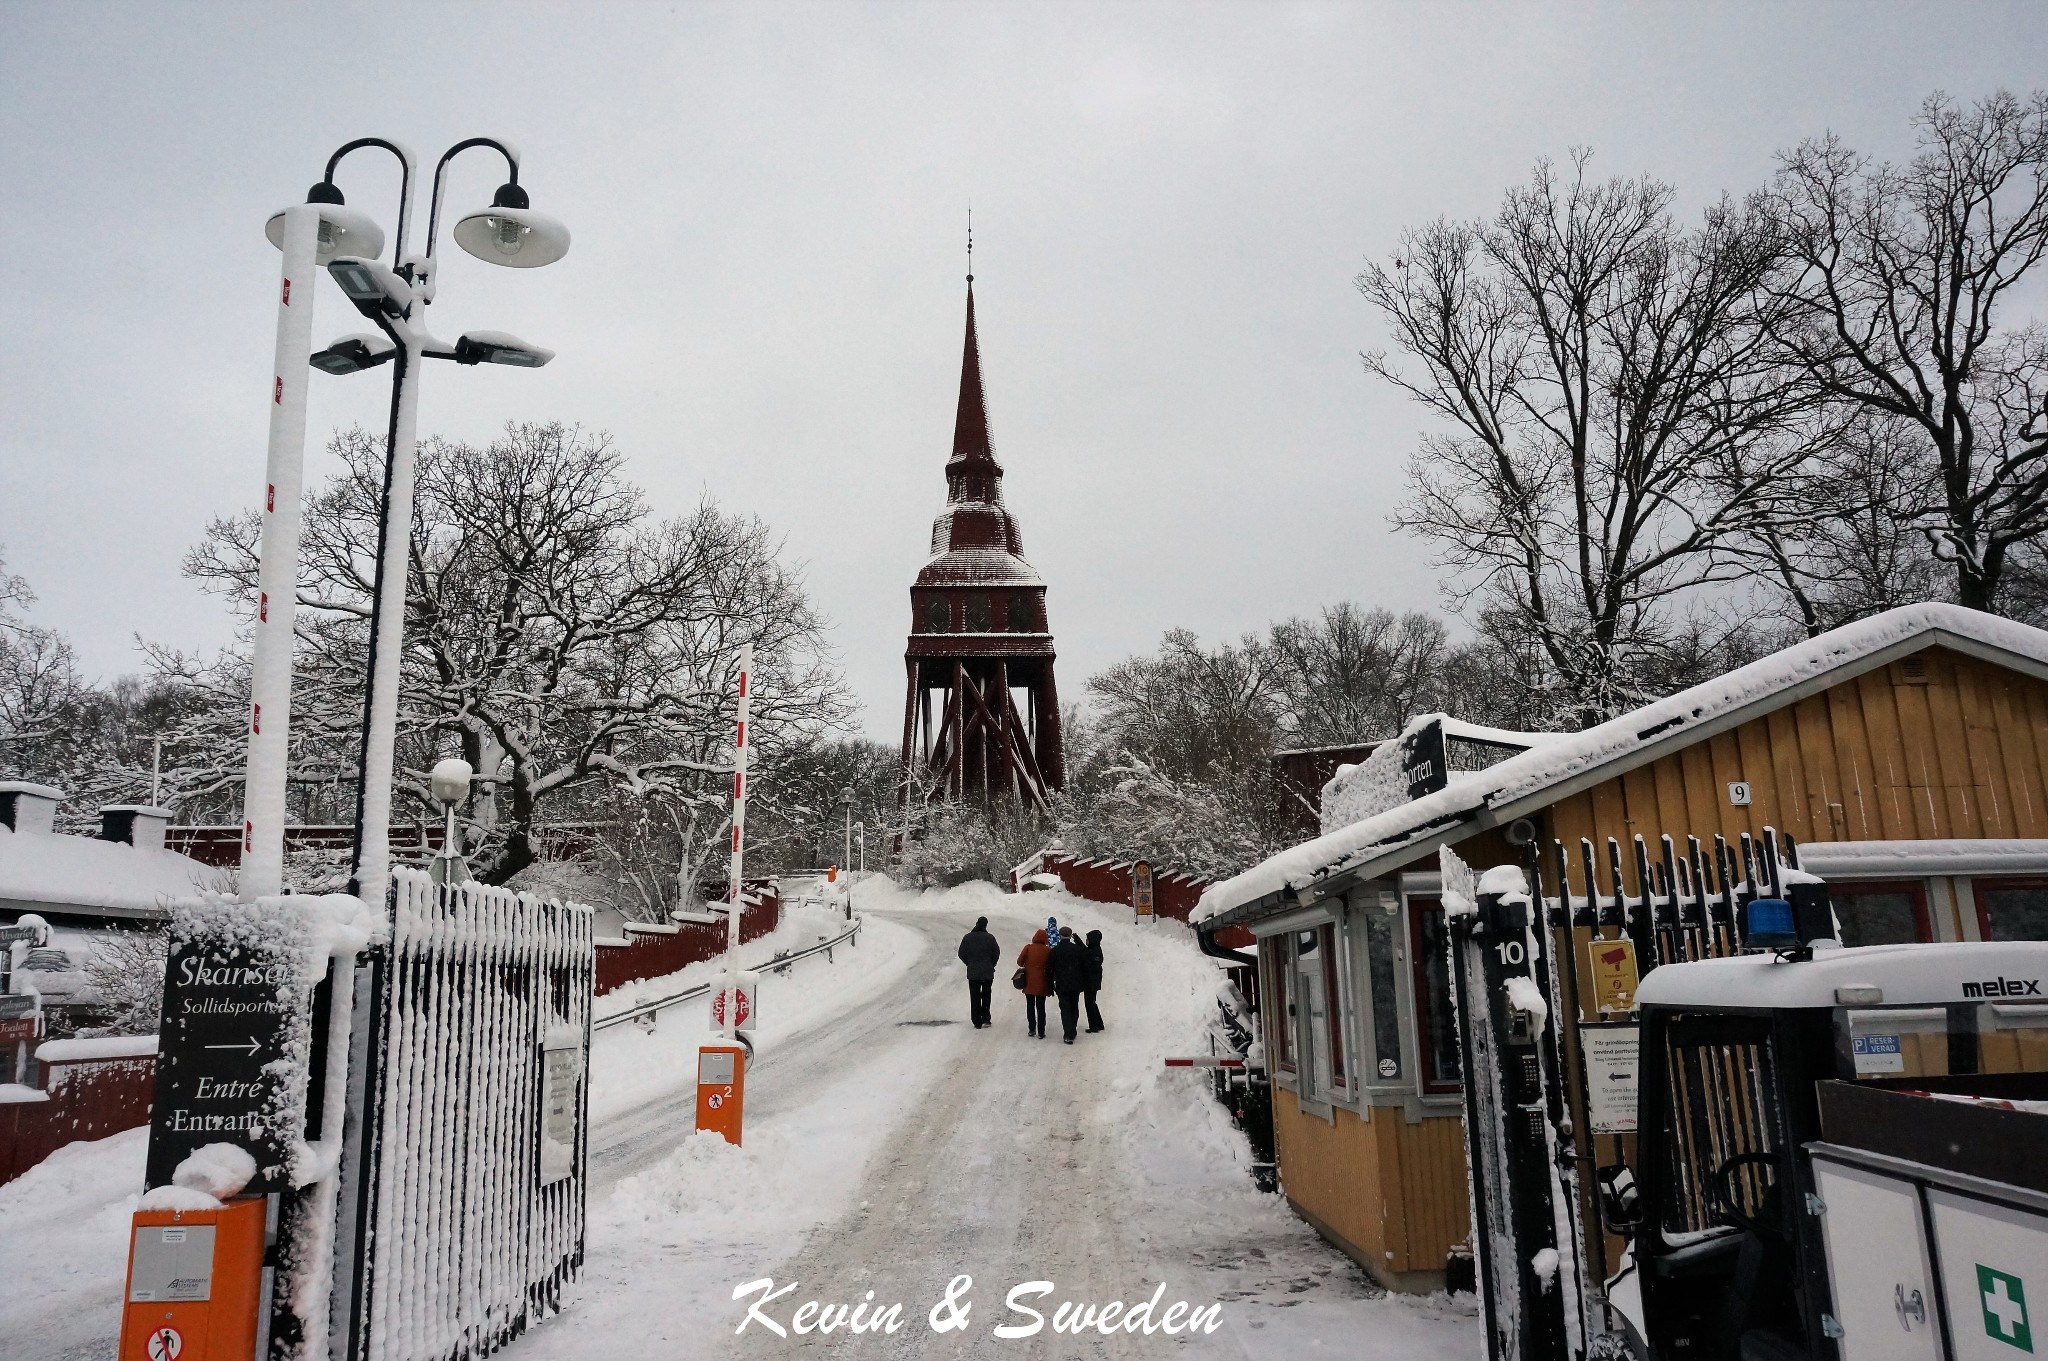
(981, 718)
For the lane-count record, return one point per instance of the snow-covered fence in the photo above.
(1174, 894)
(652, 950)
(470, 1205)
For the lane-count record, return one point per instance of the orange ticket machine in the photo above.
(195, 1283)
(721, 1090)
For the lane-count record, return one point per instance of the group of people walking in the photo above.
(1056, 963)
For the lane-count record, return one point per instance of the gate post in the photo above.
(1501, 1019)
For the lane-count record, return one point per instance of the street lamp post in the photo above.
(394, 298)
(846, 855)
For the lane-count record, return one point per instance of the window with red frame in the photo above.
(2012, 909)
(1436, 1015)
(1335, 1008)
(1278, 1009)
(1881, 912)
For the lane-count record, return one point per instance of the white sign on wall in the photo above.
(561, 1112)
(1608, 1054)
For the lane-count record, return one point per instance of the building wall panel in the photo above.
(1949, 748)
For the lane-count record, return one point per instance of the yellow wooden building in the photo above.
(1907, 755)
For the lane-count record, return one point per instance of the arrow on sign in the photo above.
(251, 1046)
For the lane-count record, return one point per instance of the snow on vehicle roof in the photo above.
(1573, 761)
(1959, 855)
(1953, 971)
(85, 874)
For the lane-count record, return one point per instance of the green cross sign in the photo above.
(2005, 1308)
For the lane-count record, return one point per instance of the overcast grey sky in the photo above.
(764, 298)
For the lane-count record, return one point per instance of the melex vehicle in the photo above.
(1843, 1156)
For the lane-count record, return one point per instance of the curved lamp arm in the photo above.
(441, 173)
(404, 185)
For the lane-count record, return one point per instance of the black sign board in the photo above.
(231, 1012)
(1424, 762)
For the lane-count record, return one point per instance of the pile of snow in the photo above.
(633, 1064)
(64, 1246)
(1634, 737)
(85, 872)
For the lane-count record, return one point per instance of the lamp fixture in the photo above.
(343, 230)
(512, 234)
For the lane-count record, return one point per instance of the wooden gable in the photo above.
(1935, 745)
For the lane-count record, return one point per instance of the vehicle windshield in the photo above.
(1720, 1108)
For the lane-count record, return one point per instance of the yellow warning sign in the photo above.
(1611, 975)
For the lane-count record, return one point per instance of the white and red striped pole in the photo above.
(739, 845)
(277, 593)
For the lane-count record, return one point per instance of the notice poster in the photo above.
(1609, 1056)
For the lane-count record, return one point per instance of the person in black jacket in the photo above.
(1067, 971)
(1094, 983)
(980, 953)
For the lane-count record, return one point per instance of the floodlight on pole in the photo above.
(354, 353)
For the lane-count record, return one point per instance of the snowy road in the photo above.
(889, 1147)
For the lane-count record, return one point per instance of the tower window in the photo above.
(937, 615)
(1023, 615)
(978, 619)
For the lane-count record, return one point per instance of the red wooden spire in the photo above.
(971, 443)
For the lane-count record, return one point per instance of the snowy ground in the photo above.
(890, 1147)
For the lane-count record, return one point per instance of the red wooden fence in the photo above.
(85, 1097)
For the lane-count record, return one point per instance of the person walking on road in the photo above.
(1031, 961)
(1067, 970)
(980, 953)
(1094, 984)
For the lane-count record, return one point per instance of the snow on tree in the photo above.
(579, 655)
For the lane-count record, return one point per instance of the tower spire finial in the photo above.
(970, 241)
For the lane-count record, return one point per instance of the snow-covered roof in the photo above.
(1556, 769)
(1923, 975)
(50, 872)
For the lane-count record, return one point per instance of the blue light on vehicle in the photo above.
(1767, 925)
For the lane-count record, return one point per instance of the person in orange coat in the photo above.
(1031, 959)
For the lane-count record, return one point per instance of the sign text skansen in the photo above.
(954, 1313)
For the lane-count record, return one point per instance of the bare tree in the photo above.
(1618, 422)
(1867, 555)
(1352, 675)
(40, 690)
(1901, 278)
(574, 653)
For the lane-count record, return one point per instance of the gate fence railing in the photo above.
(1530, 1138)
(464, 1197)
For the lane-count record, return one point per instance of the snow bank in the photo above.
(1716, 703)
(631, 1065)
(64, 1246)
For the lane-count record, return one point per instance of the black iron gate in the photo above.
(1534, 995)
